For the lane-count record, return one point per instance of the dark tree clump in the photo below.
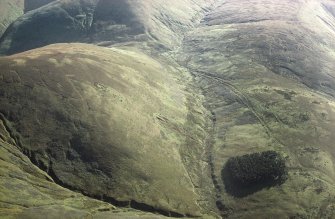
(252, 172)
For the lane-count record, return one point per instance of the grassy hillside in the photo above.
(10, 10)
(30, 5)
(183, 86)
(158, 23)
(111, 123)
(28, 192)
(268, 77)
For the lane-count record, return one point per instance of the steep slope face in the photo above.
(24, 186)
(153, 21)
(104, 21)
(111, 123)
(60, 21)
(28, 192)
(9, 11)
(30, 5)
(267, 72)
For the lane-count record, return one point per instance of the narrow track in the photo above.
(244, 100)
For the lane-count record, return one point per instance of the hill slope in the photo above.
(157, 22)
(268, 77)
(108, 122)
(30, 5)
(9, 11)
(151, 122)
(27, 192)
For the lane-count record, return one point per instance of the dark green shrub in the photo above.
(252, 172)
